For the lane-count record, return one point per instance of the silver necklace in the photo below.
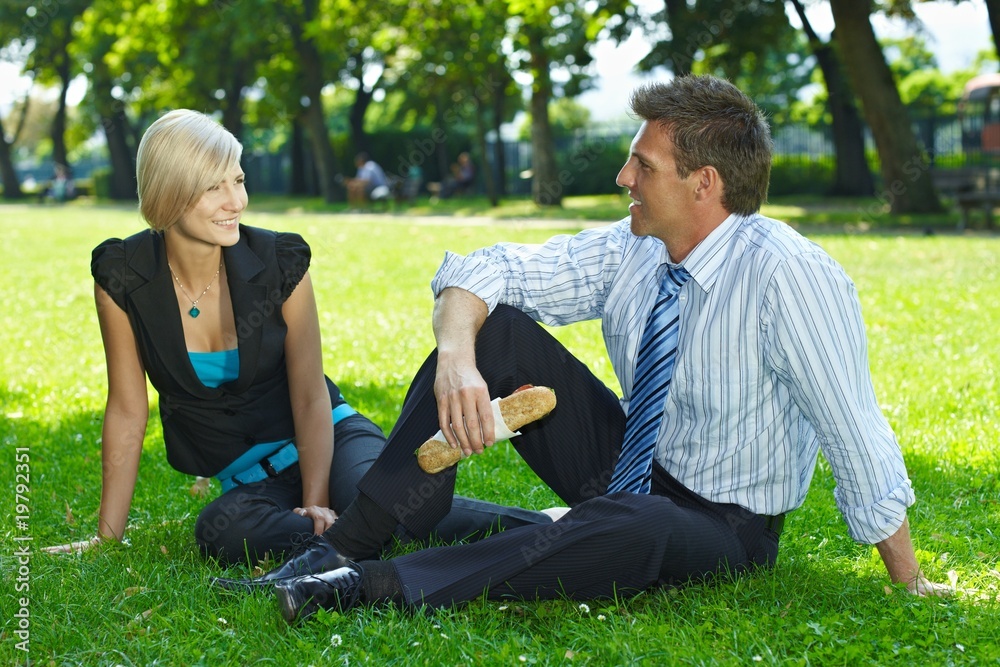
(194, 312)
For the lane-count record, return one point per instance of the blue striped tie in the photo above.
(653, 368)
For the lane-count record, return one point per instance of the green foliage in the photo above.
(922, 86)
(585, 167)
(800, 175)
(931, 305)
(566, 115)
(102, 183)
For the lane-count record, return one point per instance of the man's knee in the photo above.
(508, 322)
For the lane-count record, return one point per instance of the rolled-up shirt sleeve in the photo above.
(472, 273)
(563, 280)
(818, 348)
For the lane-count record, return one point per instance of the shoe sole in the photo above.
(237, 586)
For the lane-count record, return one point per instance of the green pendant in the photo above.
(194, 312)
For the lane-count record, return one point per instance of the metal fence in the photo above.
(588, 161)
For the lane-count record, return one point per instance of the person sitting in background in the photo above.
(463, 174)
(222, 319)
(62, 188)
(369, 184)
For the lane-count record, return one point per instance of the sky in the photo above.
(955, 34)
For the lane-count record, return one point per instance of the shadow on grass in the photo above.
(824, 603)
(812, 214)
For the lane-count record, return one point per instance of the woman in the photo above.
(222, 319)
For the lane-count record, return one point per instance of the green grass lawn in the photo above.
(932, 305)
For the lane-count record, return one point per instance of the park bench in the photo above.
(971, 188)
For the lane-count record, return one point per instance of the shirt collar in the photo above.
(706, 259)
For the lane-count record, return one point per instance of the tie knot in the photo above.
(673, 279)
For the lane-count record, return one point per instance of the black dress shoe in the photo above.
(336, 590)
(316, 555)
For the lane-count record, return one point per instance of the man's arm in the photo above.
(464, 411)
(901, 562)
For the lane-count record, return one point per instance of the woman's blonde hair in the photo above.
(181, 155)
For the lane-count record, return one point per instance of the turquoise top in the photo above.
(214, 369)
(217, 368)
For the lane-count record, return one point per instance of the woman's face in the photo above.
(215, 217)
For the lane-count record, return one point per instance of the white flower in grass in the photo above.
(335, 640)
(584, 608)
(445, 636)
(602, 617)
(758, 658)
(502, 607)
(222, 620)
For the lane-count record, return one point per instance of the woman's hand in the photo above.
(323, 517)
(74, 547)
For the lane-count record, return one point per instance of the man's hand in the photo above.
(901, 563)
(923, 587)
(464, 412)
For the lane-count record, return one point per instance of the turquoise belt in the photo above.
(273, 464)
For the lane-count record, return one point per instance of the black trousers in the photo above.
(253, 520)
(606, 545)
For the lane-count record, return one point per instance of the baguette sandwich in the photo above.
(525, 405)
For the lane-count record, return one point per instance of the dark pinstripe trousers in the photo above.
(606, 545)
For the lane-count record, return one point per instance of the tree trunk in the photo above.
(116, 130)
(356, 116)
(232, 103)
(314, 122)
(993, 11)
(852, 176)
(678, 13)
(58, 130)
(485, 170)
(8, 174)
(907, 186)
(312, 116)
(499, 156)
(302, 177)
(546, 190)
(111, 112)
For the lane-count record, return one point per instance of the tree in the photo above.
(8, 174)
(922, 86)
(757, 49)
(993, 11)
(852, 176)
(102, 27)
(679, 19)
(906, 176)
(555, 36)
(13, 48)
(455, 70)
(299, 18)
(49, 28)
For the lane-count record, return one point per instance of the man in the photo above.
(741, 351)
(370, 182)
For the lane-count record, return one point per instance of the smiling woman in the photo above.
(222, 319)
